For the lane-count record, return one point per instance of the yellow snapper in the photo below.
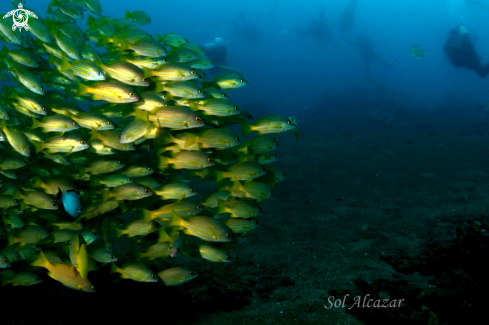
(66, 143)
(216, 107)
(175, 191)
(63, 273)
(213, 254)
(176, 118)
(30, 235)
(112, 91)
(177, 275)
(136, 228)
(135, 271)
(17, 139)
(244, 171)
(130, 191)
(206, 228)
(55, 123)
(269, 124)
(229, 81)
(186, 160)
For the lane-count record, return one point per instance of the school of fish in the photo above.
(104, 135)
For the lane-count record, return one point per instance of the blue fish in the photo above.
(70, 201)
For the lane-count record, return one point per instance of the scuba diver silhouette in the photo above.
(368, 54)
(318, 28)
(217, 51)
(247, 31)
(460, 50)
(482, 5)
(347, 17)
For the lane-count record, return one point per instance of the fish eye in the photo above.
(237, 138)
(128, 179)
(149, 168)
(119, 162)
(112, 256)
(289, 122)
(83, 142)
(199, 207)
(42, 88)
(44, 108)
(227, 257)
(132, 94)
(209, 159)
(236, 108)
(109, 123)
(5, 260)
(228, 235)
(153, 276)
(275, 155)
(133, 144)
(200, 91)
(242, 80)
(193, 72)
(191, 272)
(224, 96)
(99, 73)
(74, 123)
(191, 190)
(146, 190)
(92, 287)
(263, 169)
(198, 119)
(54, 204)
(276, 143)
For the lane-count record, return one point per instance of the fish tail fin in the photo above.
(141, 115)
(91, 22)
(65, 65)
(236, 186)
(147, 216)
(105, 195)
(128, 15)
(163, 236)
(147, 73)
(221, 208)
(35, 124)
(36, 181)
(38, 146)
(41, 260)
(81, 89)
(193, 106)
(220, 175)
(94, 181)
(4, 52)
(95, 135)
(3, 124)
(11, 239)
(175, 219)
(163, 162)
(191, 139)
(114, 269)
(247, 128)
(159, 87)
(118, 232)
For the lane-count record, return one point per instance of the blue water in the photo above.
(290, 74)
